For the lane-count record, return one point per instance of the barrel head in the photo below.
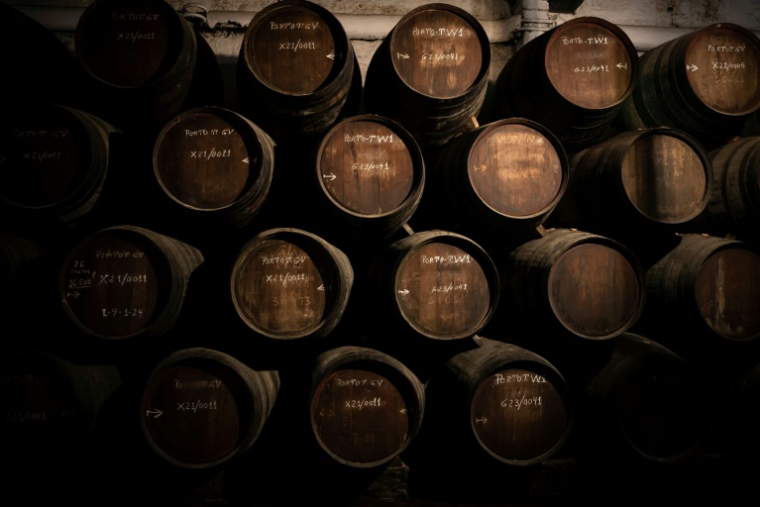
(595, 291)
(589, 64)
(722, 65)
(519, 415)
(360, 416)
(437, 53)
(366, 168)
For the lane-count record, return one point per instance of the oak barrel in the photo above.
(510, 174)
(126, 282)
(201, 407)
(430, 72)
(572, 79)
(371, 173)
(734, 205)
(704, 83)
(438, 284)
(295, 70)
(215, 164)
(49, 407)
(366, 407)
(574, 283)
(706, 286)
(648, 180)
(289, 283)
(53, 162)
(140, 56)
(646, 402)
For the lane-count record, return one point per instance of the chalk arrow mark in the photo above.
(156, 413)
(331, 56)
(691, 67)
(402, 55)
(622, 65)
(329, 177)
(404, 292)
(481, 420)
(74, 294)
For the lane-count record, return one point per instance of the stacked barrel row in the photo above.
(269, 259)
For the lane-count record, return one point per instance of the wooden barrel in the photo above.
(371, 173)
(438, 284)
(510, 173)
(706, 285)
(646, 402)
(734, 205)
(49, 406)
(572, 79)
(201, 408)
(366, 407)
(648, 180)
(295, 69)
(574, 283)
(289, 283)
(430, 72)
(505, 402)
(703, 83)
(215, 164)
(140, 55)
(53, 162)
(126, 282)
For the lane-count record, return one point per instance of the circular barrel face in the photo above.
(37, 415)
(595, 291)
(722, 65)
(126, 43)
(442, 291)
(359, 415)
(192, 413)
(437, 53)
(366, 167)
(588, 65)
(518, 414)
(114, 284)
(292, 50)
(202, 162)
(515, 170)
(661, 412)
(727, 290)
(280, 288)
(664, 178)
(44, 156)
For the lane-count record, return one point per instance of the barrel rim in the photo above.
(546, 133)
(479, 32)
(418, 169)
(624, 39)
(343, 46)
(251, 139)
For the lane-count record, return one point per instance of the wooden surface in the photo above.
(203, 162)
(192, 413)
(722, 65)
(727, 290)
(280, 288)
(588, 65)
(42, 156)
(594, 290)
(436, 53)
(515, 170)
(664, 178)
(291, 50)
(359, 415)
(448, 292)
(126, 43)
(366, 167)
(518, 414)
(112, 284)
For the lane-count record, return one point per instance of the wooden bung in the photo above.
(215, 164)
(574, 283)
(289, 283)
(202, 408)
(371, 173)
(366, 407)
(126, 282)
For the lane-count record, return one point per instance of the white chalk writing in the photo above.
(579, 40)
(194, 406)
(295, 46)
(122, 279)
(360, 404)
(285, 260)
(198, 384)
(22, 417)
(371, 166)
(119, 254)
(446, 259)
(41, 156)
(359, 138)
(592, 68)
(293, 300)
(519, 377)
(728, 65)
(293, 26)
(358, 382)
(515, 403)
(209, 154)
(725, 49)
(15, 133)
(129, 16)
(115, 312)
(440, 57)
(208, 132)
(438, 32)
(287, 278)
(136, 36)
(449, 288)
